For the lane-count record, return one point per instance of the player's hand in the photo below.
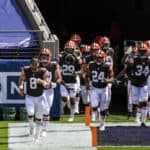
(107, 80)
(21, 92)
(76, 73)
(116, 82)
(130, 61)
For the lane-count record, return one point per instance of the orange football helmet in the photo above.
(147, 42)
(70, 46)
(45, 56)
(99, 55)
(85, 48)
(46, 51)
(76, 38)
(142, 47)
(105, 42)
(95, 46)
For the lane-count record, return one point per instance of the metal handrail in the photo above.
(19, 31)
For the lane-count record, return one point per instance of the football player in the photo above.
(138, 72)
(100, 74)
(147, 42)
(129, 53)
(36, 80)
(69, 65)
(55, 78)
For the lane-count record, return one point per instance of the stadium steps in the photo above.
(59, 137)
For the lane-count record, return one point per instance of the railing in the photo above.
(19, 53)
(16, 45)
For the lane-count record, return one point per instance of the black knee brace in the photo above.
(104, 112)
(72, 101)
(94, 108)
(142, 104)
(30, 117)
(135, 107)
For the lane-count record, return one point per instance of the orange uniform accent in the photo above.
(94, 136)
(87, 115)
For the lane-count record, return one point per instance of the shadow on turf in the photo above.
(3, 128)
(50, 131)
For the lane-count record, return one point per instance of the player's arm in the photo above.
(124, 59)
(58, 76)
(111, 75)
(87, 78)
(121, 73)
(45, 81)
(21, 82)
(83, 69)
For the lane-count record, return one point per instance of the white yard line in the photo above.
(60, 137)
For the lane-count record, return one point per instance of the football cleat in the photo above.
(70, 119)
(143, 125)
(36, 140)
(44, 133)
(76, 111)
(102, 127)
(137, 120)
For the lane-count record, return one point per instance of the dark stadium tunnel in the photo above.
(69, 16)
(95, 17)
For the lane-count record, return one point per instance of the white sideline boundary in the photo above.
(60, 137)
(108, 124)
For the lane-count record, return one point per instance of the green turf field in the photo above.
(3, 135)
(78, 119)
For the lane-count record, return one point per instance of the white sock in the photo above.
(62, 106)
(103, 120)
(72, 110)
(93, 115)
(144, 114)
(76, 105)
(37, 129)
(31, 123)
(138, 115)
(130, 109)
(45, 122)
